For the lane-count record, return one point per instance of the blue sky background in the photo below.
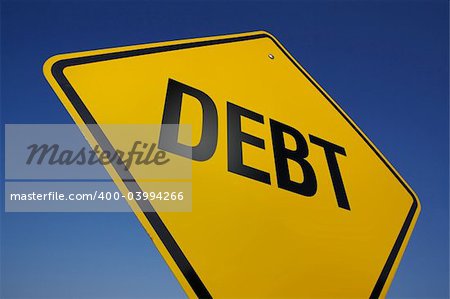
(385, 62)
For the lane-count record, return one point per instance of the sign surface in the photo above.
(290, 198)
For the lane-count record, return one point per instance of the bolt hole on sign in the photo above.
(289, 197)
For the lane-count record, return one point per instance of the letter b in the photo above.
(281, 154)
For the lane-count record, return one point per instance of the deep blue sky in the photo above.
(386, 63)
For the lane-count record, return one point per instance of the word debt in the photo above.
(206, 147)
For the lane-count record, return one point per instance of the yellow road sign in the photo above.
(290, 198)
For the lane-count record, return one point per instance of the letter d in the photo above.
(168, 138)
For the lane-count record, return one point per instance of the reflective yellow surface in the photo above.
(245, 238)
